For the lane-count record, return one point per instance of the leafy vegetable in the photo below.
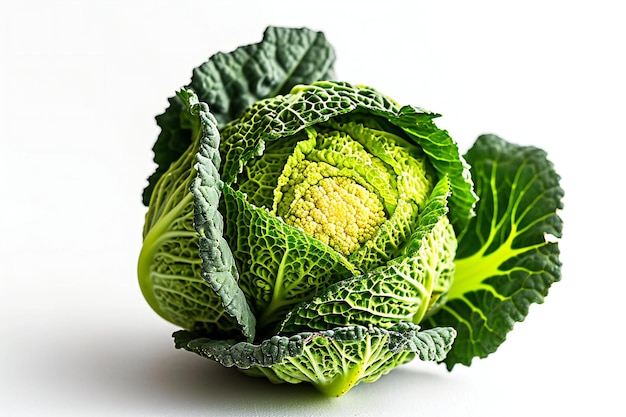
(231, 82)
(316, 231)
(506, 258)
(333, 360)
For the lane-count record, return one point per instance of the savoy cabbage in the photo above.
(311, 230)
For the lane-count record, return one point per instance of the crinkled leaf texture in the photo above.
(274, 119)
(283, 265)
(418, 264)
(218, 264)
(332, 360)
(186, 269)
(402, 290)
(230, 82)
(231, 271)
(507, 256)
(444, 154)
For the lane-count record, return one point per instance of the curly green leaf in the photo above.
(506, 259)
(402, 290)
(170, 267)
(333, 361)
(281, 265)
(218, 264)
(230, 82)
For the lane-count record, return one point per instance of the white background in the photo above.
(80, 84)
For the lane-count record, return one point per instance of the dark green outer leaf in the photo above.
(286, 57)
(506, 259)
(169, 266)
(218, 264)
(332, 360)
(230, 82)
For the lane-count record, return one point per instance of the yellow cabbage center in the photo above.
(337, 211)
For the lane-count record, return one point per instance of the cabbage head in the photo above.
(315, 236)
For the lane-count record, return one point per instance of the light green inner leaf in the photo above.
(279, 265)
(402, 290)
(230, 82)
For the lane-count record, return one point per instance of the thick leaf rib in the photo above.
(505, 261)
